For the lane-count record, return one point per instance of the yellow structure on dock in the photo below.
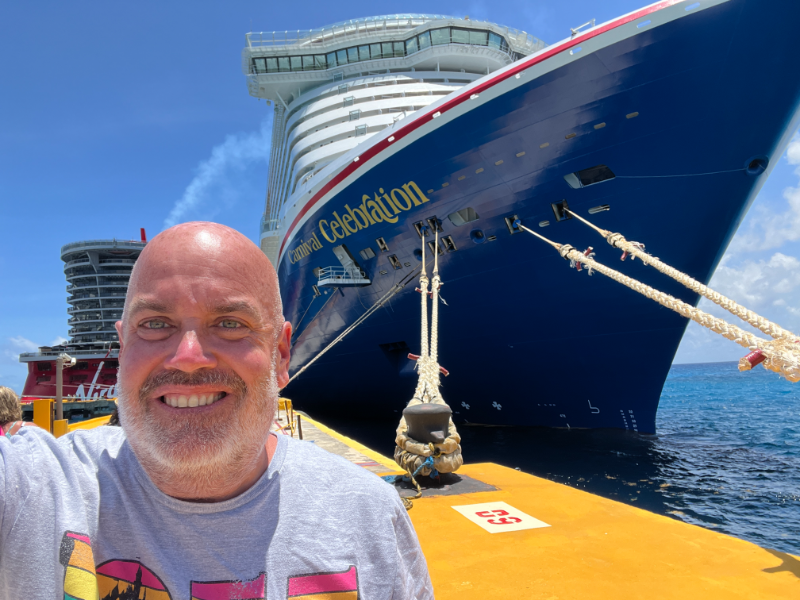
(529, 537)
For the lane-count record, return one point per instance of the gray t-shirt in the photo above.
(79, 514)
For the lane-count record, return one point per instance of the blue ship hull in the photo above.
(527, 340)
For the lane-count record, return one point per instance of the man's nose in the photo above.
(190, 355)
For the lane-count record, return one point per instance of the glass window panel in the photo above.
(297, 63)
(494, 40)
(272, 65)
(319, 61)
(349, 101)
(424, 40)
(352, 55)
(308, 63)
(460, 36)
(440, 36)
(355, 115)
(283, 63)
(375, 50)
(260, 65)
(361, 130)
(478, 38)
(341, 57)
(331, 59)
(363, 52)
(412, 46)
(399, 49)
(387, 50)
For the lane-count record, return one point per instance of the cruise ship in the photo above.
(662, 124)
(97, 273)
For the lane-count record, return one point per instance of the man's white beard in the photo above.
(199, 456)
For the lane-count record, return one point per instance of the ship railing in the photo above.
(342, 276)
(318, 39)
(114, 243)
(268, 224)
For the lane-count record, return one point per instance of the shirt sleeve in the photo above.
(412, 581)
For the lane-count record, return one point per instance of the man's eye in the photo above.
(230, 324)
(155, 325)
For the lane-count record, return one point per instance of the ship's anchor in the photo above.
(427, 440)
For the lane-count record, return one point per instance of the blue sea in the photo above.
(726, 455)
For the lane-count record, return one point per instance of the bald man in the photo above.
(194, 498)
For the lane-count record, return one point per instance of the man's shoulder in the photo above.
(336, 474)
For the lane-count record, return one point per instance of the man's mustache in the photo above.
(209, 377)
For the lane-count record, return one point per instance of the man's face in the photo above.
(202, 358)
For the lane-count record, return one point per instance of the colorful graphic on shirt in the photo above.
(255, 589)
(129, 580)
(325, 586)
(76, 555)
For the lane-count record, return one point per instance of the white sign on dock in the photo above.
(497, 517)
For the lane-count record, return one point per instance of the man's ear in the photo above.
(284, 355)
(120, 330)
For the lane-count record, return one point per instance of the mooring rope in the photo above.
(617, 240)
(383, 300)
(780, 355)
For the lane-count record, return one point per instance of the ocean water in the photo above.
(726, 455)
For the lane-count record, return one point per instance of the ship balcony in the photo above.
(102, 296)
(342, 277)
(91, 337)
(95, 307)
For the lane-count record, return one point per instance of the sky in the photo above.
(120, 115)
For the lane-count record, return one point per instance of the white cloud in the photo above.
(237, 152)
(58, 341)
(23, 344)
(759, 283)
(768, 229)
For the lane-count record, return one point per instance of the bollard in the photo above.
(43, 414)
(299, 428)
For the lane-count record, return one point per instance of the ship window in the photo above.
(260, 65)
(463, 216)
(375, 50)
(382, 245)
(341, 57)
(433, 247)
(112, 364)
(81, 365)
(386, 48)
(352, 55)
(361, 130)
(495, 41)
(460, 36)
(478, 38)
(355, 114)
(440, 36)
(78, 378)
(272, 65)
(424, 40)
(367, 253)
(43, 378)
(590, 176)
(297, 63)
(363, 52)
(319, 61)
(308, 63)
(349, 101)
(331, 59)
(43, 366)
(283, 63)
(412, 46)
(399, 49)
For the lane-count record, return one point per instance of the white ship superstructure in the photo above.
(334, 87)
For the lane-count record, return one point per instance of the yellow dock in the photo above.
(527, 537)
(592, 547)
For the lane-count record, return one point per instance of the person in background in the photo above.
(10, 412)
